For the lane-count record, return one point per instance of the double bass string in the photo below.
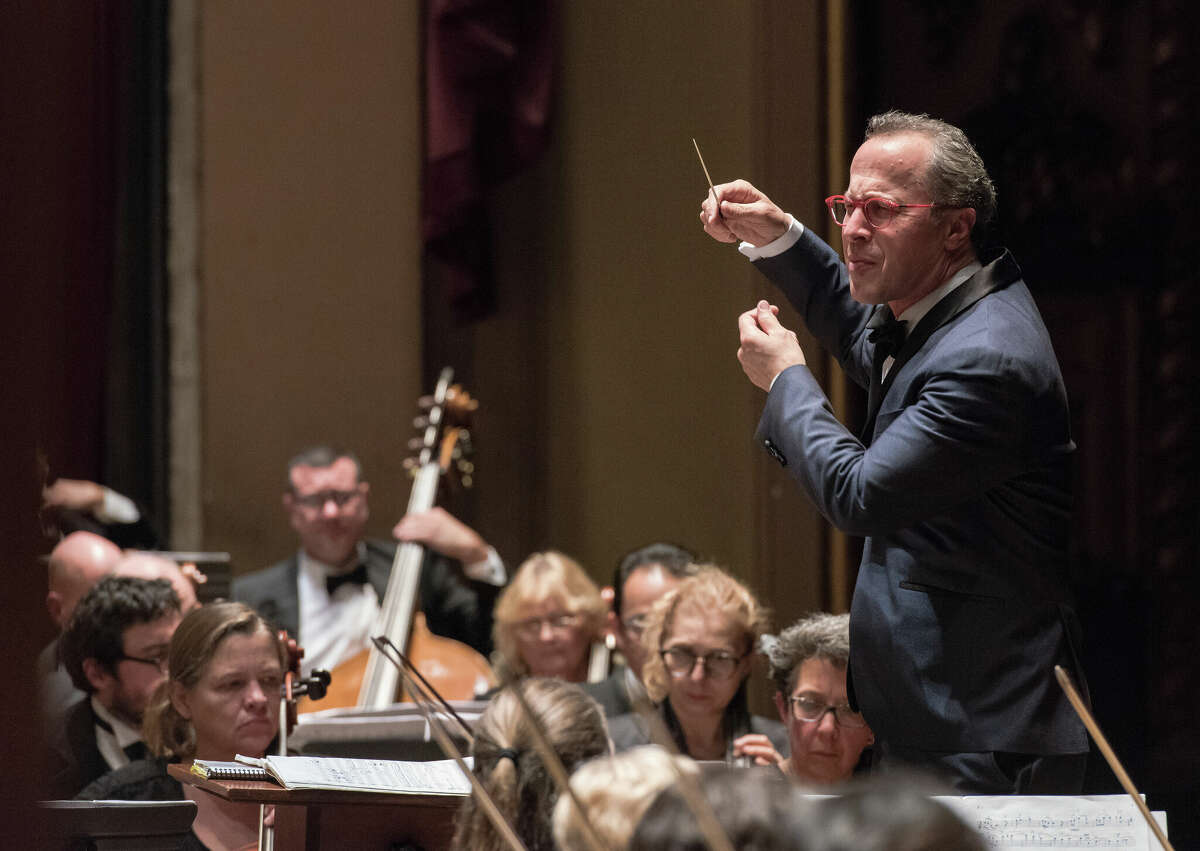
(446, 743)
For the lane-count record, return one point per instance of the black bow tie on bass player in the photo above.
(358, 576)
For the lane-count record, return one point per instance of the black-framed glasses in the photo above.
(559, 623)
(879, 212)
(680, 662)
(811, 711)
(316, 501)
(160, 663)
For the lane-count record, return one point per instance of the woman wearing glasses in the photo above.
(221, 698)
(546, 620)
(700, 641)
(808, 664)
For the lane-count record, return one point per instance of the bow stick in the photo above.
(541, 743)
(689, 787)
(386, 647)
(1064, 680)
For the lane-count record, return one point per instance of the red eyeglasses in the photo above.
(879, 212)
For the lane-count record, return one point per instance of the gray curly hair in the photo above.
(819, 635)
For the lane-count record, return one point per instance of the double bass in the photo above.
(457, 671)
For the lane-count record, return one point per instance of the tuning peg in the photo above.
(425, 403)
(411, 464)
(416, 444)
(465, 467)
(421, 422)
(466, 481)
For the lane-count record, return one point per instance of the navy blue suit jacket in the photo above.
(961, 608)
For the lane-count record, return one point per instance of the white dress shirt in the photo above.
(334, 629)
(112, 744)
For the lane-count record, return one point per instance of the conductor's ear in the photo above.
(958, 235)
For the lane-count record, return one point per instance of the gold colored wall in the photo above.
(310, 323)
(614, 411)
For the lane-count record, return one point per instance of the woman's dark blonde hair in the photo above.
(509, 768)
(195, 642)
(710, 590)
(543, 576)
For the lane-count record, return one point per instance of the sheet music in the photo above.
(442, 777)
(1034, 821)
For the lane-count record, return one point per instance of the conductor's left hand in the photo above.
(767, 348)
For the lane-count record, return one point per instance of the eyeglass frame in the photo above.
(316, 501)
(838, 710)
(532, 627)
(161, 664)
(706, 658)
(850, 205)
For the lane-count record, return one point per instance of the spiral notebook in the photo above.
(215, 769)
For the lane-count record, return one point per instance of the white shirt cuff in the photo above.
(117, 508)
(777, 246)
(490, 570)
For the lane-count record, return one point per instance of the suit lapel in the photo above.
(996, 275)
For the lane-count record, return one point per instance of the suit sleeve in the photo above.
(455, 606)
(969, 429)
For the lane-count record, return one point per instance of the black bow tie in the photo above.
(358, 576)
(887, 333)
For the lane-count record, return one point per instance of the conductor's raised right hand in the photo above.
(746, 215)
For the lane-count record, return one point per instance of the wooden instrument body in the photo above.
(368, 680)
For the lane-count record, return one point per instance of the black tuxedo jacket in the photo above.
(961, 608)
(454, 606)
(75, 759)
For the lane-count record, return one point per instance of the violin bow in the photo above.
(689, 786)
(1064, 680)
(446, 743)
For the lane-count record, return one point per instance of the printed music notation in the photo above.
(1100, 821)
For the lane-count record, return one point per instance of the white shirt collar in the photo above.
(319, 570)
(124, 733)
(916, 312)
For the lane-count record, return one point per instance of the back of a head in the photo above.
(509, 767)
(757, 808)
(76, 564)
(144, 565)
(615, 792)
(892, 814)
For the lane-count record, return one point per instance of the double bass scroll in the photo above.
(455, 667)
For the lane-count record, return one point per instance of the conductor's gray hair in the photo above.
(957, 176)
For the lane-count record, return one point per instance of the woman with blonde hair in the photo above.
(509, 767)
(546, 620)
(615, 792)
(220, 698)
(700, 641)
